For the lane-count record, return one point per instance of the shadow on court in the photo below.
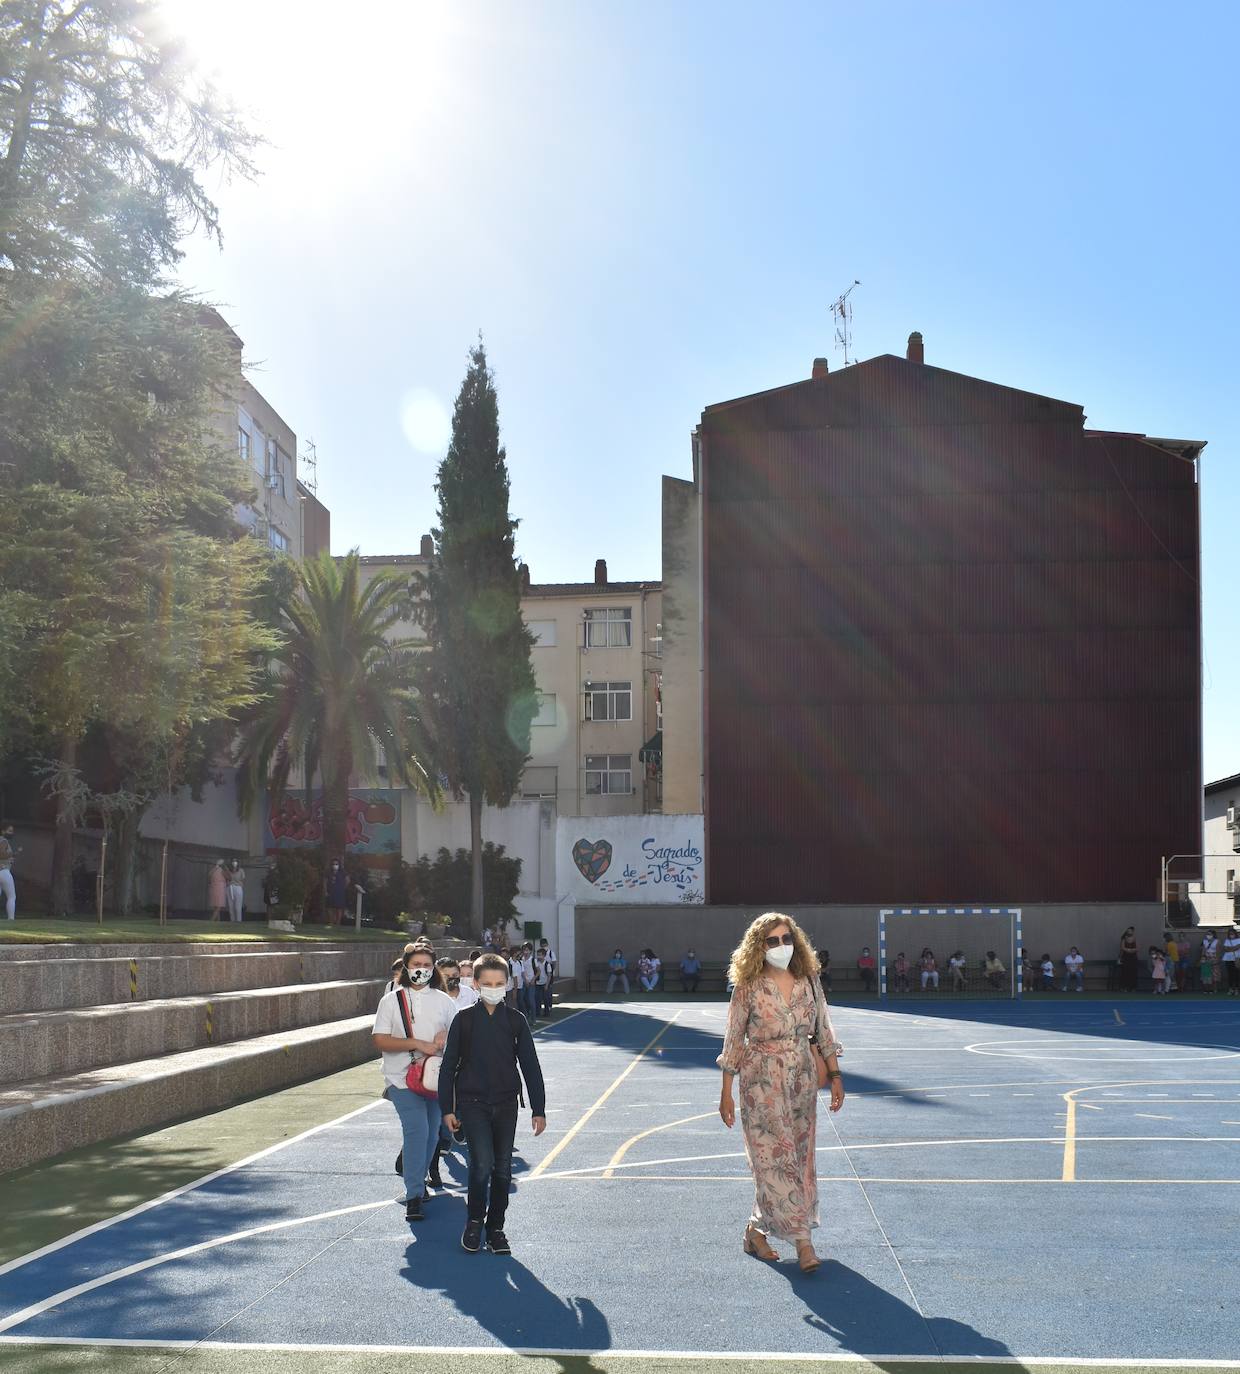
(862, 1318)
(520, 1311)
(683, 1045)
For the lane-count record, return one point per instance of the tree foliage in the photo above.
(104, 129)
(476, 681)
(338, 697)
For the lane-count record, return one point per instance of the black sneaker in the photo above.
(497, 1243)
(400, 1164)
(472, 1239)
(413, 1209)
(434, 1179)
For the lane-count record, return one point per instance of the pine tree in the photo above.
(476, 681)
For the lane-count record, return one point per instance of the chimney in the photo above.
(523, 573)
(428, 546)
(819, 370)
(600, 572)
(916, 350)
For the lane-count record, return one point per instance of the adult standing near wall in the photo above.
(236, 891)
(337, 892)
(1128, 960)
(779, 1043)
(1231, 961)
(7, 888)
(217, 889)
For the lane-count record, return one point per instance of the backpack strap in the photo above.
(404, 1011)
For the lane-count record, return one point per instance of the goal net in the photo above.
(983, 942)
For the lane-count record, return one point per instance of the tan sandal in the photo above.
(755, 1244)
(806, 1257)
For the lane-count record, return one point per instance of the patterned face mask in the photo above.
(419, 977)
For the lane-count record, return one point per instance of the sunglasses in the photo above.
(774, 941)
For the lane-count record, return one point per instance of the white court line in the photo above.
(1146, 1116)
(908, 1145)
(55, 1245)
(556, 1352)
(181, 1191)
(36, 1309)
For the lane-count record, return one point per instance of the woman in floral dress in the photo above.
(776, 1008)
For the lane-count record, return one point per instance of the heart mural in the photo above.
(593, 858)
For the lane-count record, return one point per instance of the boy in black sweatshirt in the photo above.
(478, 1091)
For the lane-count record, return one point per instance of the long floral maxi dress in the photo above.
(767, 1046)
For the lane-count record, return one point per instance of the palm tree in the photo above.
(339, 699)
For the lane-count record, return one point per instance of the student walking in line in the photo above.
(6, 873)
(1231, 961)
(1074, 969)
(236, 891)
(479, 1088)
(781, 1046)
(412, 1024)
(544, 980)
(690, 972)
(618, 967)
(217, 889)
(448, 980)
(529, 983)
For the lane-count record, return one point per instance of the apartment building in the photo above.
(1220, 899)
(595, 744)
(285, 513)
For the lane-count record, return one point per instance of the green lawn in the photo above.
(48, 930)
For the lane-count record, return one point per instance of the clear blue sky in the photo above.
(648, 207)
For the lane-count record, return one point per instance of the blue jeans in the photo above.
(1078, 977)
(527, 1001)
(490, 1132)
(420, 1119)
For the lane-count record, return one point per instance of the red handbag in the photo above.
(419, 1070)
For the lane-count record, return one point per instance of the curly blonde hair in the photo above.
(749, 957)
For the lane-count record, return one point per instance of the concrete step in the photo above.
(56, 984)
(151, 950)
(45, 1117)
(52, 1043)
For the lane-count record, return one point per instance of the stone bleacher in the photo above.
(98, 1041)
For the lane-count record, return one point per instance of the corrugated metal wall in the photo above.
(952, 647)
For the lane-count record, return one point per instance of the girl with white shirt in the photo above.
(430, 1014)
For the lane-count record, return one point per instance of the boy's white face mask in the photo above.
(419, 977)
(491, 996)
(780, 956)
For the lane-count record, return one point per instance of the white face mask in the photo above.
(491, 996)
(780, 956)
(467, 980)
(419, 977)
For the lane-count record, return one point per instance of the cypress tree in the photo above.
(476, 681)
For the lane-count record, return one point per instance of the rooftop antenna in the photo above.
(310, 462)
(842, 313)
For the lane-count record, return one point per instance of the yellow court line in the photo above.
(610, 1171)
(545, 1163)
